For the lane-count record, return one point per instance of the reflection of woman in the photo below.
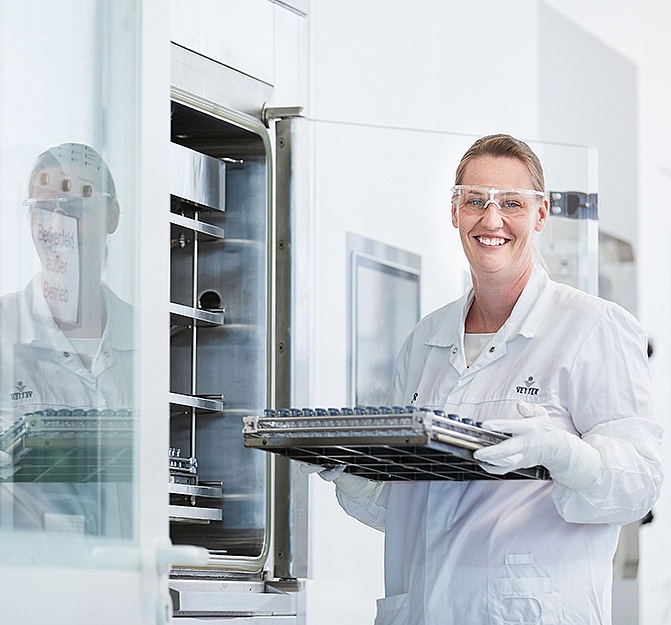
(67, 340)
(73, 207)
(517, 551)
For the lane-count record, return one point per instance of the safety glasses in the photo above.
(475, 200)
(70, 206)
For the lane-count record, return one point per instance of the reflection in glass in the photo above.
(384, 307)
(66, 354)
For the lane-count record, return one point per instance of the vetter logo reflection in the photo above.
(22, 392)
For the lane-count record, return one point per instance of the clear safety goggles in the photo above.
(70, 206)
(476, 200)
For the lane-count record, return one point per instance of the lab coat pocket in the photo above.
(392, 610)
(522, 601)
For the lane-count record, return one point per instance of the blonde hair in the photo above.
(501, 145)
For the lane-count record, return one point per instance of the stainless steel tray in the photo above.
(381, 443)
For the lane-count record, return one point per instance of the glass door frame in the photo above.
(128, 582)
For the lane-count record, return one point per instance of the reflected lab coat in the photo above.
(40, 369)
(514, 552)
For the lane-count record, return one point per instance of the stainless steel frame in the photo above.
(291, 347)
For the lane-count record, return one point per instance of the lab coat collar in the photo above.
(531, 305)
(523, 320)
(450, 329)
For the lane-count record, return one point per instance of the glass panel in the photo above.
(68, 163)
(397, 190)
(568, 245)
(219, 332)
(384, 287)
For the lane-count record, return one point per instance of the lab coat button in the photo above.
(66, 354)
(491, 349)
(107, 354)
(455, 350)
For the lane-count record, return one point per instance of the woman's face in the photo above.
(499, 243)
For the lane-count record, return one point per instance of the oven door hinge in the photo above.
(270, 113)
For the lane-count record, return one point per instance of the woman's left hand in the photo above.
(537, 441)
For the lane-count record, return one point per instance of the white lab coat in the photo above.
(513, 552)
(41, 370)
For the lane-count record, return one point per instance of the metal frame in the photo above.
(383, 444)
(291, 310)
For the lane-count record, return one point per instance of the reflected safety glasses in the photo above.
(70, 206)
(475, 200)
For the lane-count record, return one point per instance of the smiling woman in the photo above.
(567, 375)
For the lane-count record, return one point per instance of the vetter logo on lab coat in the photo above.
(528, 388)
(22, 392)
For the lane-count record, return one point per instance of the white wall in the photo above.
(411, 64)
(591, 103)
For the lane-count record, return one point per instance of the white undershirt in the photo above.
(474, 344)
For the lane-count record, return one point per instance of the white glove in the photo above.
(328, 475)
(353, 485)
(7, 468)
(536, 441)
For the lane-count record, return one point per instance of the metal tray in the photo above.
(381, 443)
(71, 445)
